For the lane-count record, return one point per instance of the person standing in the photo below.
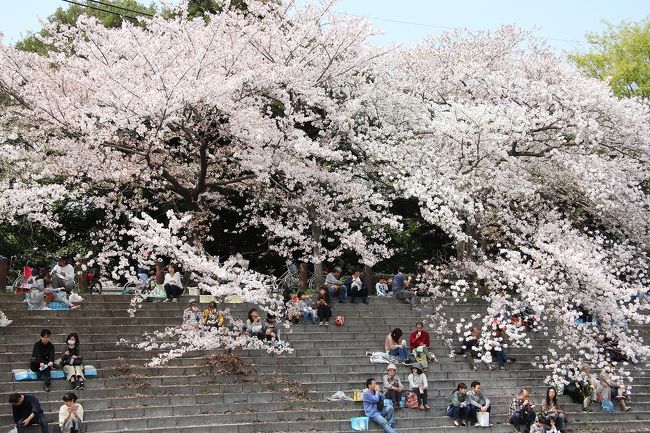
(172, 284)
(63, 275)
(477, 402)
(27, 409)
(43, 358)
(373, 396)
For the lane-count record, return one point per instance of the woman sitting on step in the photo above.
(393, 386)
(324, 304)
(394, 347)
(71, 414)
(254, 325)
(72, 362)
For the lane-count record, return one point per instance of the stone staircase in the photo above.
(266, 393)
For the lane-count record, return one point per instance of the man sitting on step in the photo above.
(373, 406)
(477, 402)
(27, 410)
(43, 358)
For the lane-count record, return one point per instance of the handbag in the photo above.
(359, 423)
(483, 418)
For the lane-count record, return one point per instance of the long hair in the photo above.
(549, 402)
(396, 334)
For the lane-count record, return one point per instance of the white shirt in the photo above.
(416, 380)
(176, 279)
(67, 270)
(63, 413)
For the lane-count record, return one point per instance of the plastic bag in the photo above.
(359, 423)
(75, 298)
(607, 406)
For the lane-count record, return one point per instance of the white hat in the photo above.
(391, 367)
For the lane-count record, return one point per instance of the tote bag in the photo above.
(483, 418)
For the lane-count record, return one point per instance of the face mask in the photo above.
(71, 342)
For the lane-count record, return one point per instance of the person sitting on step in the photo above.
(43, 358)
(192, 316)
(62, 275)
(469, 347)
(419, 342)
(522, 412)
(458, 408)
(606, 383)
(254, 324)
(402, 291)
(477, 402)
(308, 312)
(336, 286)
(382, 287)
(357, 288)
(394, 347)
(71, 414)
(393, 386)
(172, 284)
(212, 317)
(295, 309)
(419, 385)
(372, 397)
(27, 409)
(551, 410)
(271, 331)
(324, 306)
(72, 362)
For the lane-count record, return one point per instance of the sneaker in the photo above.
(327, 323)
(365, 300)
(478, 424)
(502, 368)
(81, 385)
(462, 423)
(421, 407)
(427, 407)
(175, 300)
(456, 423)
(321, 323)
(74, 307)
(167, 300)
(46, 386)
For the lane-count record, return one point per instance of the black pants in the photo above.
(324, 313)
(173, 291)
(41, 375)
(395, 397)
(355, 292)
(473, 410)
(522, 420)
(40, 419)
(422, 395)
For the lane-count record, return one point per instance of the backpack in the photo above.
(412, 400)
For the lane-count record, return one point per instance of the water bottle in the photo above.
(402, 402)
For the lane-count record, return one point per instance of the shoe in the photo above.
(492, 367)
(81, 385)
(341, 302)
(627, 409)
(478, 424)
(407, 363)
(327, 323)
(427, 407)
(167, 300)
(73, 384)
(175, 300)
(74, 307)
(421, 407)
(321, 323)
(456, 423)
(462, 423)
(502, 368)
(46, 386)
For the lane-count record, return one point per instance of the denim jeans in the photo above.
(522, 420)
(500, 355)
(458, 413)
(343, 291)
(386, 419)
(40, 419)
(402, 352)
(309, 315)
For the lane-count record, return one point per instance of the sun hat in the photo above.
(391, 366)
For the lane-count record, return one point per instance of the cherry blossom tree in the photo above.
(249, 109)
(536, 171)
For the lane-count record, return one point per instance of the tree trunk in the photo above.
(367, 276)
(303, 276)
(316, 235)
(160, 273)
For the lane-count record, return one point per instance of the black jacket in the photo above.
(30, 405)
(43, 352)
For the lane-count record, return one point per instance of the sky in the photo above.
(563, 22)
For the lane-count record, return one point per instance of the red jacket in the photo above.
(422, 340)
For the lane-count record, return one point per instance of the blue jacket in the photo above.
(370, 400)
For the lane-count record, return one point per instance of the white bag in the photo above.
(74, 297)
(483, 418)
